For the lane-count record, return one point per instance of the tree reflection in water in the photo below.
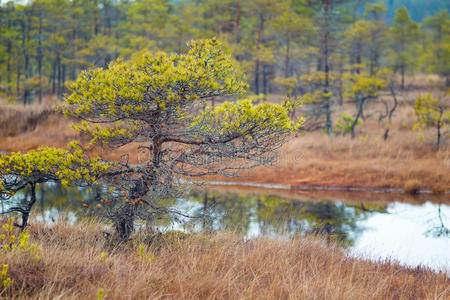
(439, 229)
(248, 214)
(55, 201)
(272, 215)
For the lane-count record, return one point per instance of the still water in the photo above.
(411, 230)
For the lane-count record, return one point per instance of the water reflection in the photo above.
(410, 233)
(262, 214)
(55, 201)
(403, 234)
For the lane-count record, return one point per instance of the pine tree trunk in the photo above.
(54, 76)
(439, 123)
(124, 223)
(18, 81)
(257, 76)
(26, 56)
(39, 56)
(95, 18)
(287, 58)
(358, 115)
(59, 76)
(26, 214)
(238, 22)
(265, 81)
(328, 123)
(259, 40)
(403, 77)
(8, 68)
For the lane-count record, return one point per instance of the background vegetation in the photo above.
(44, 44)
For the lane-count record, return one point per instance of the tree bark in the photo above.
(54, 73)
(40, 54)
(361, 102)
(326, 90)
(238, 22)
(391, 112)
(438, 127)
(95, 18)
(26, 213)
(257, 76)
(18, 81)
(287, 58)
(25, 37)
(59, 76)
(403, 76)
(63, 78)
(205, 211)
(265, 81)
(8, 68)
(258, 43)
(358, 57)
(124, 223)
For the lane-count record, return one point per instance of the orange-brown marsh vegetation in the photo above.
(76, 264)
(405, 160)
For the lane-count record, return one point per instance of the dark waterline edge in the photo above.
(275, 186)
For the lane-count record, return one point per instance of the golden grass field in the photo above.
(221, 266)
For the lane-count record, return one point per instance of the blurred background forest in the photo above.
(44, 44)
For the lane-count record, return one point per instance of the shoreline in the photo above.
(277, 186)
(310, 187)
(358, 196)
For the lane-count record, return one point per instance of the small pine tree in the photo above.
(431, 112)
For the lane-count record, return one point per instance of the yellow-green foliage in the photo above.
(100, 294)
(344, 124)
(288, 84)
(431, 112)
(103, 134)
(318, 78)
(4, 279)
(45, 164)
(428, 112)
(313, 78)
(365, 85)
(313, 97)
(17, 244)
(242, 117)
(436, 51)
(103, 256)
(145, 254)
(152, 81)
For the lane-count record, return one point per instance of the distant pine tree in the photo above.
(418, 9)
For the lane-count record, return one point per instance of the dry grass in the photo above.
(223, 266)
(319, 160)
(366, 161)
(313, 159)
(27, 127)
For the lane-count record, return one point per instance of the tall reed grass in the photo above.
(76, 263)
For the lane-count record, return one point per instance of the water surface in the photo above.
(411, 230)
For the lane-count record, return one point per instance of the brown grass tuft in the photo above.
(438, 189)
(222, 266)
(411, 186)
